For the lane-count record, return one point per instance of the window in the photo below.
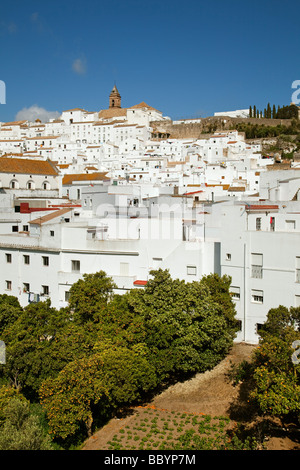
(257, 296)
(124, 269)
(46, 185)
(235, 292)
(8, 285)
(75, 266)
(26, 259)
(26, 287)
(191, 270)
(45, 290)
(14, 184)
(258, 223)
(51, 233)
(67, 296)
(8, 257)
(25, 228)
(259, 326)
(45, 260)
(256, 265)
(228, 256)
(290, 225)
(15, 228)
(272, 224)
(297, 268)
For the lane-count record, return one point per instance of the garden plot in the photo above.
(160, 429)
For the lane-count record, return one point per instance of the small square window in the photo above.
(228, 256)
(8, 257)
(75, 266)
(257, 296)
(259, 326)
(26, 287)
(235, 293)
(45, 290)
(191, 270)
(26, 259)
(45, 260)
(51, 233)
(8, 285)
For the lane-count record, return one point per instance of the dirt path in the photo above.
(208, 393)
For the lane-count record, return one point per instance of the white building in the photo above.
(239, 113)
(28, 177)
(93, 191)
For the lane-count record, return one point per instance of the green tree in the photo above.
(21, 430)
(7, 394)
(10, 310)
(94, 387)
(276, 377)
(69, 398)
(186, 327)
(250, 112)
(89, 296)
(120, 323)
(39, 344)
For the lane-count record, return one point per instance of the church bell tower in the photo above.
(115, 98)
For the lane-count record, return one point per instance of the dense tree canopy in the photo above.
(105, 351)
(189, 326)
(274, 376)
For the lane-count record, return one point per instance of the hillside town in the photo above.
(113, 190)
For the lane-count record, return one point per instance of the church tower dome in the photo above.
(115, 98)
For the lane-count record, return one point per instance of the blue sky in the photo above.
(186, 58)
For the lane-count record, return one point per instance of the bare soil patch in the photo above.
(209, 393)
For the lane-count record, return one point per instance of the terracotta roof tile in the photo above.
(14, 123)
(53, 215)
(68, 179)
(27, 166)
(112, 112)
(142, 105)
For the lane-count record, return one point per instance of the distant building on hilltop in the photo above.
(238, 113)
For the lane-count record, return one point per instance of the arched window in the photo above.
(30, 184)
(46, 185)
(14, 184)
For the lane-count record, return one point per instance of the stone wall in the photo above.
(209, 125)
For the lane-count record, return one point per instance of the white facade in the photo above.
(193, 206)
(242, 113)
